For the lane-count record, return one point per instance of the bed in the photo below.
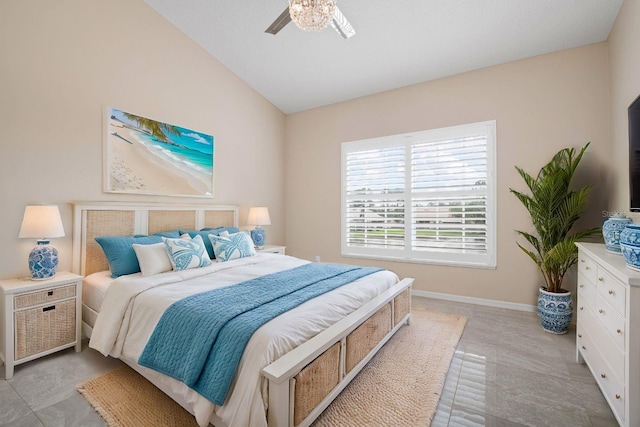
(293, 366)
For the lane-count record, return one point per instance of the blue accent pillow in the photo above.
(204, 233)
(185, 254)
(120, 254)
(217, 231)
(237, 245)
(173, 234)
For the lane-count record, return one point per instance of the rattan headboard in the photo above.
(92, 219)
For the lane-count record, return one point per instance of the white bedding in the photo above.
(134, 304)
(94, 289)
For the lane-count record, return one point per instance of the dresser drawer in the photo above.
(611, 387)
(31, 299)
(611, 320)
(587, 292)
(612, 291)
(587, 267)
(609, 349)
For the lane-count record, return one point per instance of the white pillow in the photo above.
(153, 259)
(185, 254)
(237, 245)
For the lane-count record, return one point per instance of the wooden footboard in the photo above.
(305, 381)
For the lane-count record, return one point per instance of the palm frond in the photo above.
(554, 209)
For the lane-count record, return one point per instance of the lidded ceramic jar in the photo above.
(630, 235)
(611, 230)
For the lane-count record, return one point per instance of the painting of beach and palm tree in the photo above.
(145, 156)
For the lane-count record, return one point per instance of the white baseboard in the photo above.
(472, 300)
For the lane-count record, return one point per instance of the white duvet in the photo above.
(134, 304)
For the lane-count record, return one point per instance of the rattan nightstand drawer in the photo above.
(31, 299)
(44, 328)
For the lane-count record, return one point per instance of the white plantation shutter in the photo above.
(426, 197)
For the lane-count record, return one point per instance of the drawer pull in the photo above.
(53, 307)
(587, 268)
(581, 308)
(584, 348)
(601, 279)
(603, 376)
(617, 396)
(619, 331)
(49, 293)
(601, 311)
(582, 286)
(579, 335)
(610, 292)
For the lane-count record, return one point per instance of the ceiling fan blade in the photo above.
(341, 25)
(279, 23)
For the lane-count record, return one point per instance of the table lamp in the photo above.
(42, 222)
(258, 216)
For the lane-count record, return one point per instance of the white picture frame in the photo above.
(147, 156)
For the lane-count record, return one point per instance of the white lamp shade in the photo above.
(41, 222)
(259, 216)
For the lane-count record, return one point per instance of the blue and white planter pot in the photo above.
(555, 311)
(630, 235)
(611, 230)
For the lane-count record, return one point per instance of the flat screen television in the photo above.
(634, 154)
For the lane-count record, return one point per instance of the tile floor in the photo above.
(506, 372)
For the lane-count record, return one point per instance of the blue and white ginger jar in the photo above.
(611, 230)
(630, 235)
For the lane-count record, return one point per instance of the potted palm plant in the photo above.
(554, 208)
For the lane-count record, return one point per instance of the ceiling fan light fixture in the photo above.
(312, 15)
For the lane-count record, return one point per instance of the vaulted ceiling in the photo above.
(397, 43)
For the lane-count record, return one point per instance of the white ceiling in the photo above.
(397, 43)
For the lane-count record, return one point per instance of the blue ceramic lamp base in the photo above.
(43, 261)
(258, 237)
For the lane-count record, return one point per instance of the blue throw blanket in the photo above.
(200, 339)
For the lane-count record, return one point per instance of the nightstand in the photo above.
(273, 249)
(39, 317)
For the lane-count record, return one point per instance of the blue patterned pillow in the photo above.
(185, 254)
(237, 245)
(204, 233)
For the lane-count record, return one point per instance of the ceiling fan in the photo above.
(337, 21)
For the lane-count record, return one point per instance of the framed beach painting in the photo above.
(146, 156)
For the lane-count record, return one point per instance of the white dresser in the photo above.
(608, 328)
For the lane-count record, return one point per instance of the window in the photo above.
(422, 197)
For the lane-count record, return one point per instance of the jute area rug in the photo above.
(400, 386)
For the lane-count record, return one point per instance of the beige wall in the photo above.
(541, 105)
(624, 65)
(62, 61)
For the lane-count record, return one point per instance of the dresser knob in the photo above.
(584, 348)
(617, 396)
(587, 268)
(579, 335)
(603, 376)
(600, 279)
(582, 286)
(601, 311)
(610, 292)
(619, 331)
(581, 260)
